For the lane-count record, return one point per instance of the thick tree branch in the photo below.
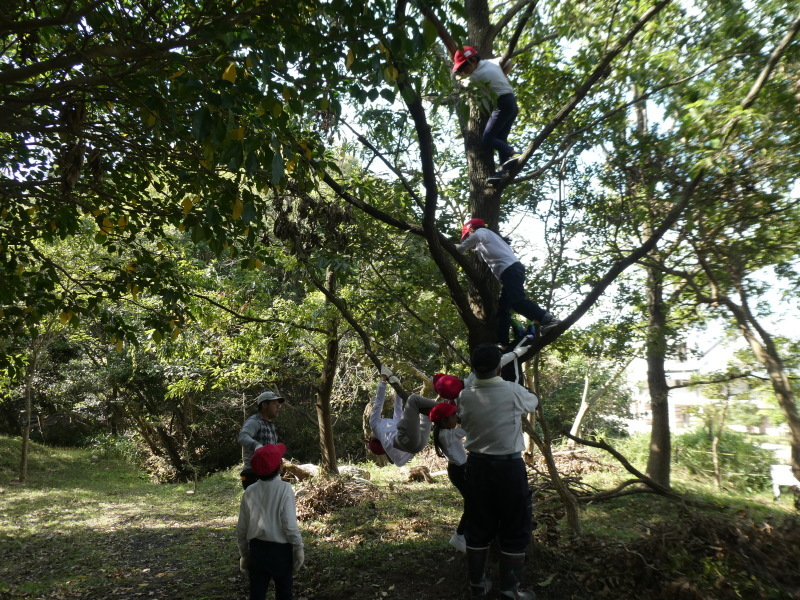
(512, 44)
(599, 72)
(444, 35)
(669, 220)
(508, 16)
(655, 486)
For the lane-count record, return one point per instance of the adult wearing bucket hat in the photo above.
(259, 430)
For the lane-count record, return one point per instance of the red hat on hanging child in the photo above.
(375, 447)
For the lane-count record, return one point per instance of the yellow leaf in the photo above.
(175, 333)
(135, 292)
(390, 73)
(130, 267)
(5, 213)
(287, 94)
(187, 205)
(20, 269)
(236, 134)
(177, 74)
(248, 62)
(258, 264)
(107, 225)
(351, 58)
(65, 316)
(238, 207)
(97, 211)
(276, 109)
(119, 346)
(181, 227)
(151, 118)
(53, 226)
(122, 223)
(2, 313)
(308, 154)
(230, 73)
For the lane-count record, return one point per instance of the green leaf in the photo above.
(277, 168)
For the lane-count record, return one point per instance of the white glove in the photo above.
(243, 565)
(390, 375)
(298, 558)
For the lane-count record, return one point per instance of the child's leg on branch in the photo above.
(412, 429)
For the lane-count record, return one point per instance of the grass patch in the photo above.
(98, 529)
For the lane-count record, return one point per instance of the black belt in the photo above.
(496, 456)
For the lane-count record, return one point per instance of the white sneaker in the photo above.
(458, 542)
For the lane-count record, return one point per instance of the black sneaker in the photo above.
(511, 162)
(496, 177)
(547, 323)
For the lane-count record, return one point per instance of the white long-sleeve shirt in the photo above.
(267, 512)
(452, 446)
(493, 249)
(386, 429)
(491, 411)
(490, 72)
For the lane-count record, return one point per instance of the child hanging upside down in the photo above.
(409, 429)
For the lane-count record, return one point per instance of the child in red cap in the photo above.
(270, 545)
(509, 271)
(447, 440)
(490, 73)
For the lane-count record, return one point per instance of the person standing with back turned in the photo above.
(498, 499)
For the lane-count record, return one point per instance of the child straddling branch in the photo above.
(270, 545)
(506, 267)
(490, 73)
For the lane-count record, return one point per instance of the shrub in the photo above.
(743, 465)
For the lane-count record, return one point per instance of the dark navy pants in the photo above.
(512, 297)
(498, 504)
(495, 134)
(458, 477)
(270, 561)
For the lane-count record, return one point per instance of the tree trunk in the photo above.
(587, 403)
(326, 441)
(26, 427)
(766, 353)
(658, 462)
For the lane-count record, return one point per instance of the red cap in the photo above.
(442, 410)
(447, 386)
(462, 56)
(471, 223)
(267, 459)
(375, 447)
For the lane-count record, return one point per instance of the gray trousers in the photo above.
(414, 428)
